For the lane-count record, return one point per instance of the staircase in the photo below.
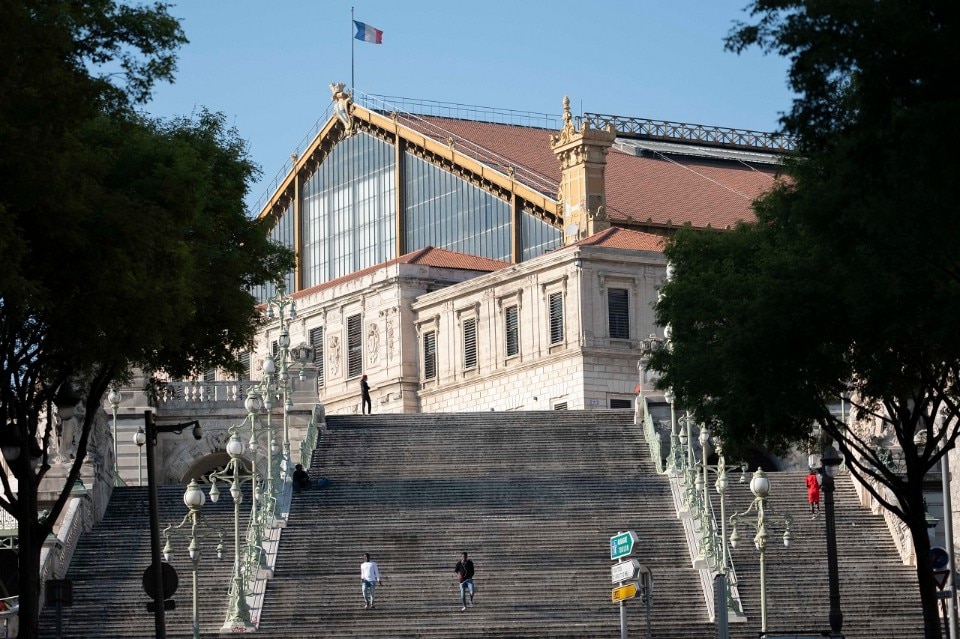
(533, 497)
(879, 596)
(107, 568)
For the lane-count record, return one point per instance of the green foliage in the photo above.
(848, 278)
(125, 240)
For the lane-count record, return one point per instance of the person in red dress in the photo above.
(813, 493)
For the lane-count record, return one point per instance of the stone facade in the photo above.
(574, 363)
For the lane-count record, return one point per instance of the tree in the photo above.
(126, 242)
(848, 280)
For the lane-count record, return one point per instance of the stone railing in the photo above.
(180, 394)
(263, 536)
(650, 433)
(312, 436)
(898, 530)
(58, 549)
(700, 528)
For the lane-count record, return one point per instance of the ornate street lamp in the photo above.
(760, 487)
(829, 469)
(151, 432)
(115, 397)
(140, 438)
(198, 530)
(281, 302)
(235, 474)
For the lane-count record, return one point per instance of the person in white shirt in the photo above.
(369, 580)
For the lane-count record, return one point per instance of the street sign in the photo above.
(626, 591)
(621, 544)
(624, 571)
(939, 558)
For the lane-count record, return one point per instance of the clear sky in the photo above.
(267, 64)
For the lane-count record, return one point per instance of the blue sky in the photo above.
(268, 65)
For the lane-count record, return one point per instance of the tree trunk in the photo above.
(932, 628)
(30, 545)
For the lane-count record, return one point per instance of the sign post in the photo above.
(621, 545)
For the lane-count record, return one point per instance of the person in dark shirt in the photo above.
(301, 479)
(464, 572)
(365, 408)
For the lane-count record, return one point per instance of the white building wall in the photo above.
(586, 369)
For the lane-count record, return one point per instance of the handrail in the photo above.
(701, 531)
(262, 541)
(651, 435)
(718, 136)
(312, 436)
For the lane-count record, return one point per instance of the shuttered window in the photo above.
(430, 355)
(512, 329)
(316, 341)
(618, 309)
(560, 406)
(245, 365)
(275, 348)
(470, 343)
(210, 375)
(621, 403)
(556, 317)
(354, 346)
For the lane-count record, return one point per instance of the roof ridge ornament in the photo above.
(343, 104)
(569, 130)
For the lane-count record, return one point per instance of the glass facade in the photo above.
(537, 237)
(349, 217)
(445, 211)
(281, 233)
(349, 211)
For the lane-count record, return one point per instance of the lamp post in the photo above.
(115, 397)
(152, 430)
(760, 487)
(236, 473)
(199, 530)
(140, 438)
(281, 302)
(676, 453)
(648, 347)
(830, 466)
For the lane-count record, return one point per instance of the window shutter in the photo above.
(354, 346)
(245, 364)
(470, 343)
(512, 322)
(316, 340)
(621, 403)
(618, 309)
(556, 317)
(430, 355)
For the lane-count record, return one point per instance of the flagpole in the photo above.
(351, 50)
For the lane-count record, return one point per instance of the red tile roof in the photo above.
(427, 256)
(619, 238)
(660, 190)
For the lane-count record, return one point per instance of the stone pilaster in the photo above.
(583, 159)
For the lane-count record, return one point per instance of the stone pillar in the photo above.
(583, 160)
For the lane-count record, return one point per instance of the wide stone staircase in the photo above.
(107, 569)
(534, 498)
(879, 596)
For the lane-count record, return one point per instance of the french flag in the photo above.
(368, 34)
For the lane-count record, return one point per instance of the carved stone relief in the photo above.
(373, 343)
